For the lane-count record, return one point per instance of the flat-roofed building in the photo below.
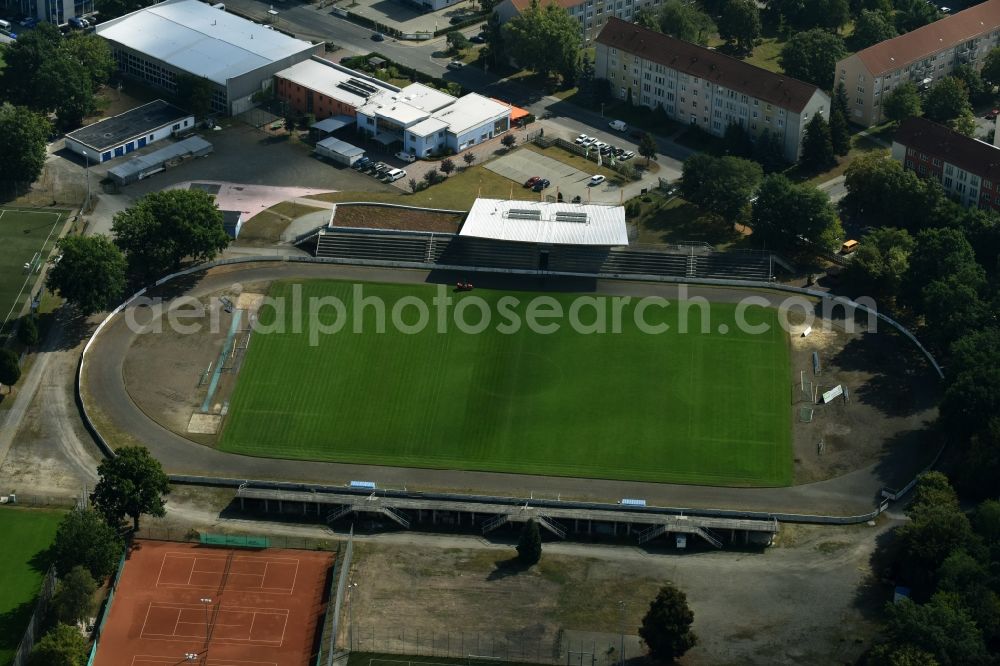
(137, 128)
(921, 56)
(326, 89)
(968, 169)
(546, 223)
(238, 58)
(702, 87)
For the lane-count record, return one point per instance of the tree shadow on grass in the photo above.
(504, 568)
(13, 623)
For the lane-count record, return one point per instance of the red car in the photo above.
(992, 115)
(531, 181)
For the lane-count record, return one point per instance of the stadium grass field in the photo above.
(23, 233)
(700, 408)
(27, 533)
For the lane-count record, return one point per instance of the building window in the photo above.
(909, 165)
(949, 169)
(947, 183)
(936, 162)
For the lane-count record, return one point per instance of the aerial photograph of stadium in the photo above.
(499, 333)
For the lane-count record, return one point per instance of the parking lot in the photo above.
(521, 165)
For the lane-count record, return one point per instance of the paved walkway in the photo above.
(850, 494)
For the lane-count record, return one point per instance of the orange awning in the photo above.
(516, 112)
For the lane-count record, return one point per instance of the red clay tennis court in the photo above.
(180, 603)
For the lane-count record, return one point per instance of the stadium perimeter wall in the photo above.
(887, 494)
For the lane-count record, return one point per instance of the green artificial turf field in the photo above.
(675, 407)
(27, 533)
(23, 234)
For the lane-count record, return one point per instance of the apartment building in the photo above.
(704, 87)
(592, 14)
(968, 169)
(921, 56)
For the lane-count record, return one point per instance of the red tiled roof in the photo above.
(931, 38)
(945, 143)
(778, 89)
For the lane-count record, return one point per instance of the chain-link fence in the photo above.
(192, 535)
(54, 501)
(573, 648)
(37, 618)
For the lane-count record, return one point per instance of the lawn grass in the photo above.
(702, 408)
(22, 234)
(27, 533)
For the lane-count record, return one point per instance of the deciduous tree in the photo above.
(93, 53)
(194, 93)
(647, 146)
(902, 102)
(62, 645)
(10, 368)
(74, 598)
(447, 166)
(812, 56)
(457, 41)
(666, 627)
(991, 66)
(164, 228)
(722, 185)
(913, 14)
(769, 151)
(84, 538)
(941, 628)
(872, 27)
(90, 272)
(684, 20)
(529, 545)
(880, 262)
(23, 137)
(783, 213)
(739, 24)
(27, 330)
(131, 484)
(947, 100)
(545, 40)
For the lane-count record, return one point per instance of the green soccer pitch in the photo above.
(674, 407)
(27, 534)
(26, 237)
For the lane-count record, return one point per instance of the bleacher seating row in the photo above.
(446, 249)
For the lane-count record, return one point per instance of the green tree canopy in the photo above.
(74, 598)
(737, 141)
(941, 628)
(131, 484)
(457, 41)
(721, 185)
(932, 489)
(991, 66)
(23, 137)
(873, 27)
(89, 274)
(164, 228)
(529, 545)
(739, 24)
(902, 102)
(27, 330)
(10, 367)
(971, 395)
(84, 538)
(940, 254)
(769, 151)
(881, 192)
(880, 262)
(666, 627)
(947, 100)
(784, 212)
(545, 40)
(812, 56)
(647, 146)
(93, 54)
(62, 645)
(973, 81)
(913, 14)
(684, 20)
(817, 145)
(194, 93)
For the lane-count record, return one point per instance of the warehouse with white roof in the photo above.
(187, 37)
(546, 223)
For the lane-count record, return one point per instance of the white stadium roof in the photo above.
(199, 39)
(542, 222)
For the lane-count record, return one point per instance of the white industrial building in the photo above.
(546, 223)
(427, 121)
(177, 37)
(137, 128)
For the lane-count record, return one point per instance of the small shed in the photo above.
(339, 151)
(159, 160)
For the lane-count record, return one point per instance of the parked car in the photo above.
(477, 39)
(627, 155)
(581, 138)
(380, 168)
(378, 37)
(456, 64)
(531, 181)
(596, 180)
(541, 185)
(455, 20)
(361, 163)
(618, 126)
(393, 175)
(406, 157)
(588, 142)
(992, 115)
(77, 22)
(29, 22)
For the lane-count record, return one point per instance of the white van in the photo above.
(394, 175)
(618, 126)
(4, 25)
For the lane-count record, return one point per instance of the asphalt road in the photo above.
(850, 494)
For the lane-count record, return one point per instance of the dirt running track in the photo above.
(104, 391)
